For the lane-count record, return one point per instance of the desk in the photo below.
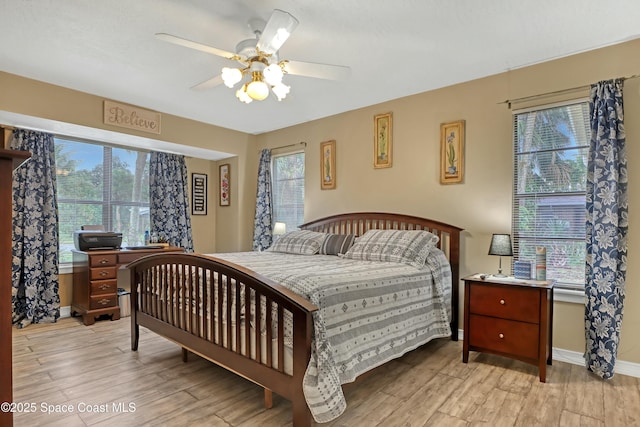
(95, 280)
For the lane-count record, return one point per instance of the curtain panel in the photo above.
(169, 199)
(35, 279)
(262, 228)
(606, 228)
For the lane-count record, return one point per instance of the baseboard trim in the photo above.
(576, 358)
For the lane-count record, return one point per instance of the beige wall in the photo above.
(42, 100)
(481, 205)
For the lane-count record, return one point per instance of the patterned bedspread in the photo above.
(369, 313)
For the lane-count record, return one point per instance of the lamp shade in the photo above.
(501, 245)
(279, 228)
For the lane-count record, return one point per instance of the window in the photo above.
(287, 176)
(99, 184)
(550, 150)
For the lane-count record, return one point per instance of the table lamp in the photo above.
(279, 228)
(501, 246)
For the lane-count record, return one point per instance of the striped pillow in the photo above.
(301, 242)
(402, 246)
(335, 244)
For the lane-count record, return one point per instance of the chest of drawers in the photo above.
(509, 317)
(95, 281)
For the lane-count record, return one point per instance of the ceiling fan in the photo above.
(259, 60)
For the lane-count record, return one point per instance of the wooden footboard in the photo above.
(204, 305)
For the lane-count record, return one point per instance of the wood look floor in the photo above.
(93, 369)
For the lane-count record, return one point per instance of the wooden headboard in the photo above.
(359, 222)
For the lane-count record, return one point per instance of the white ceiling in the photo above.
(394, 48)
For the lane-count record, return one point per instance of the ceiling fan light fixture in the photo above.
(281, 91)
(242, 94)
(231, 76)
(257, 89)
(273, 74)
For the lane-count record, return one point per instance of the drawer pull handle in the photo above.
(104, 287)
(103, 302)
(104, 261)
(501, 336)
(502, 301)
(104, 273)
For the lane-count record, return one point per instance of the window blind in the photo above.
(287, 177)
(550, 166)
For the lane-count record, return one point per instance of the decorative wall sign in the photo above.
(130, 117)
(198, 194)
(225, 185)
(328, 165)
(451, 152)
(382, 141)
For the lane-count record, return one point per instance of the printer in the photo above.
(86, 240)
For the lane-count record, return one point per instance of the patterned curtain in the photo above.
(35, 297)
(169, 199)
(607, 224)
(262, 236)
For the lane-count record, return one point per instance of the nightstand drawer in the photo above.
(104, 287)
(103, 301)
(504, 336)
(103, 273)
(506, 302)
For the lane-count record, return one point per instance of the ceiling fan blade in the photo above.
(277, 31)
(319, 71)
(208, 84)
(195, 45)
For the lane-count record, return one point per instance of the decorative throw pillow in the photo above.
(336, 244)
(403, 246)
(301, 242)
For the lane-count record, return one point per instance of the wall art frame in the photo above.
(328, 165)
(225, 184)
(199, 193)
(452, 152)
(383, 140)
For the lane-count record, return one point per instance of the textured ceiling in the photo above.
(394, 48)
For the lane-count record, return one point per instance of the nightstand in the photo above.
(509, 317)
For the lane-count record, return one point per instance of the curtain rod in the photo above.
(290, 145)
(557, 92)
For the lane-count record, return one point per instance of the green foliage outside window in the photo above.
(551, 148)
(101, 185)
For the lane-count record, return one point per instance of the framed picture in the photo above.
(382, 141)
(198, 194)
(328, 165)
(225, 185)
(452, 152)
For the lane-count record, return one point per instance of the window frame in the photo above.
(107, 202)
(568, 292)
(275, 217)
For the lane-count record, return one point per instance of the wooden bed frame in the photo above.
(180, 319)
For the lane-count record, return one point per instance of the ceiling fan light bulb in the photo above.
(231, 76)
(273, 74)
(281, 91)
(258, 90)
